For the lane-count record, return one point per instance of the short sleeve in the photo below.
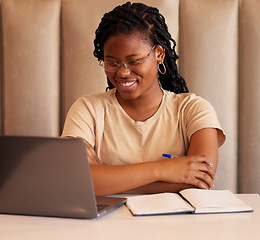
(198, 113)
(80, 121)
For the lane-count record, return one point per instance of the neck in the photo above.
(143, 107)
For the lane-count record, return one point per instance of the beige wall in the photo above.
(47, 63)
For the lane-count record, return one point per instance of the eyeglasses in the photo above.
(132, 65)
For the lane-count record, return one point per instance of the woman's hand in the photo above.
(92, 155)
(193, 170)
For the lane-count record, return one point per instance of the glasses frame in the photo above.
(102, 63)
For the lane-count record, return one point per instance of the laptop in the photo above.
(45, 176)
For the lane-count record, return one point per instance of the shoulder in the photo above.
(98, 97)
(93, 104)
(195, 113)
(186, 101)
(95, 100)
(190, 107)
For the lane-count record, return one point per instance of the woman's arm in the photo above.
(203, 142)
(193, 170)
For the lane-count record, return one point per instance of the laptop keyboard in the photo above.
(101, 206)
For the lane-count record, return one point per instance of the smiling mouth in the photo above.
(127, 84)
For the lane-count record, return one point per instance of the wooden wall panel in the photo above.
(30, 65)
(249, 127)
(208, 62)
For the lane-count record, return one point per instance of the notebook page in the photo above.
(157, 204)
(218, 200)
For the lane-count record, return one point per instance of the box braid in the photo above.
(129, 18)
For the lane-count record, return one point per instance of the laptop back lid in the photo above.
(46, 177)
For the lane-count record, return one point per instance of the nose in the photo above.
(123, 70)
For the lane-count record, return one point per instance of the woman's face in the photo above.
(123, 49)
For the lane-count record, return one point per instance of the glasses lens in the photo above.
(133, 66)
(110, 66)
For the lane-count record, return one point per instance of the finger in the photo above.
(208, 169)
(88, 144)
(209, 164)
(205, 178)
(203, 159)
(199, 183)
(93, 160)
(92, 155)
(202, 185)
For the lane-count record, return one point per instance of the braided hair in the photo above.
(129, 18)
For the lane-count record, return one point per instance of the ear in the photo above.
(160, 53)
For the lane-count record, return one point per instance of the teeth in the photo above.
(127, 84)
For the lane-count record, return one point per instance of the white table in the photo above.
(120, 224)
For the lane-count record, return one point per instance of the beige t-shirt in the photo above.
(118, 139)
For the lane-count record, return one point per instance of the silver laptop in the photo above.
(49, 177)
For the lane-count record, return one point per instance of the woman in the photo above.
(146, 112)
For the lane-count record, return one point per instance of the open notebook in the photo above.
(187, 201)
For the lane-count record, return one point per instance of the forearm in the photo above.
(179, 172)
(160, 187)
(116, 179)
